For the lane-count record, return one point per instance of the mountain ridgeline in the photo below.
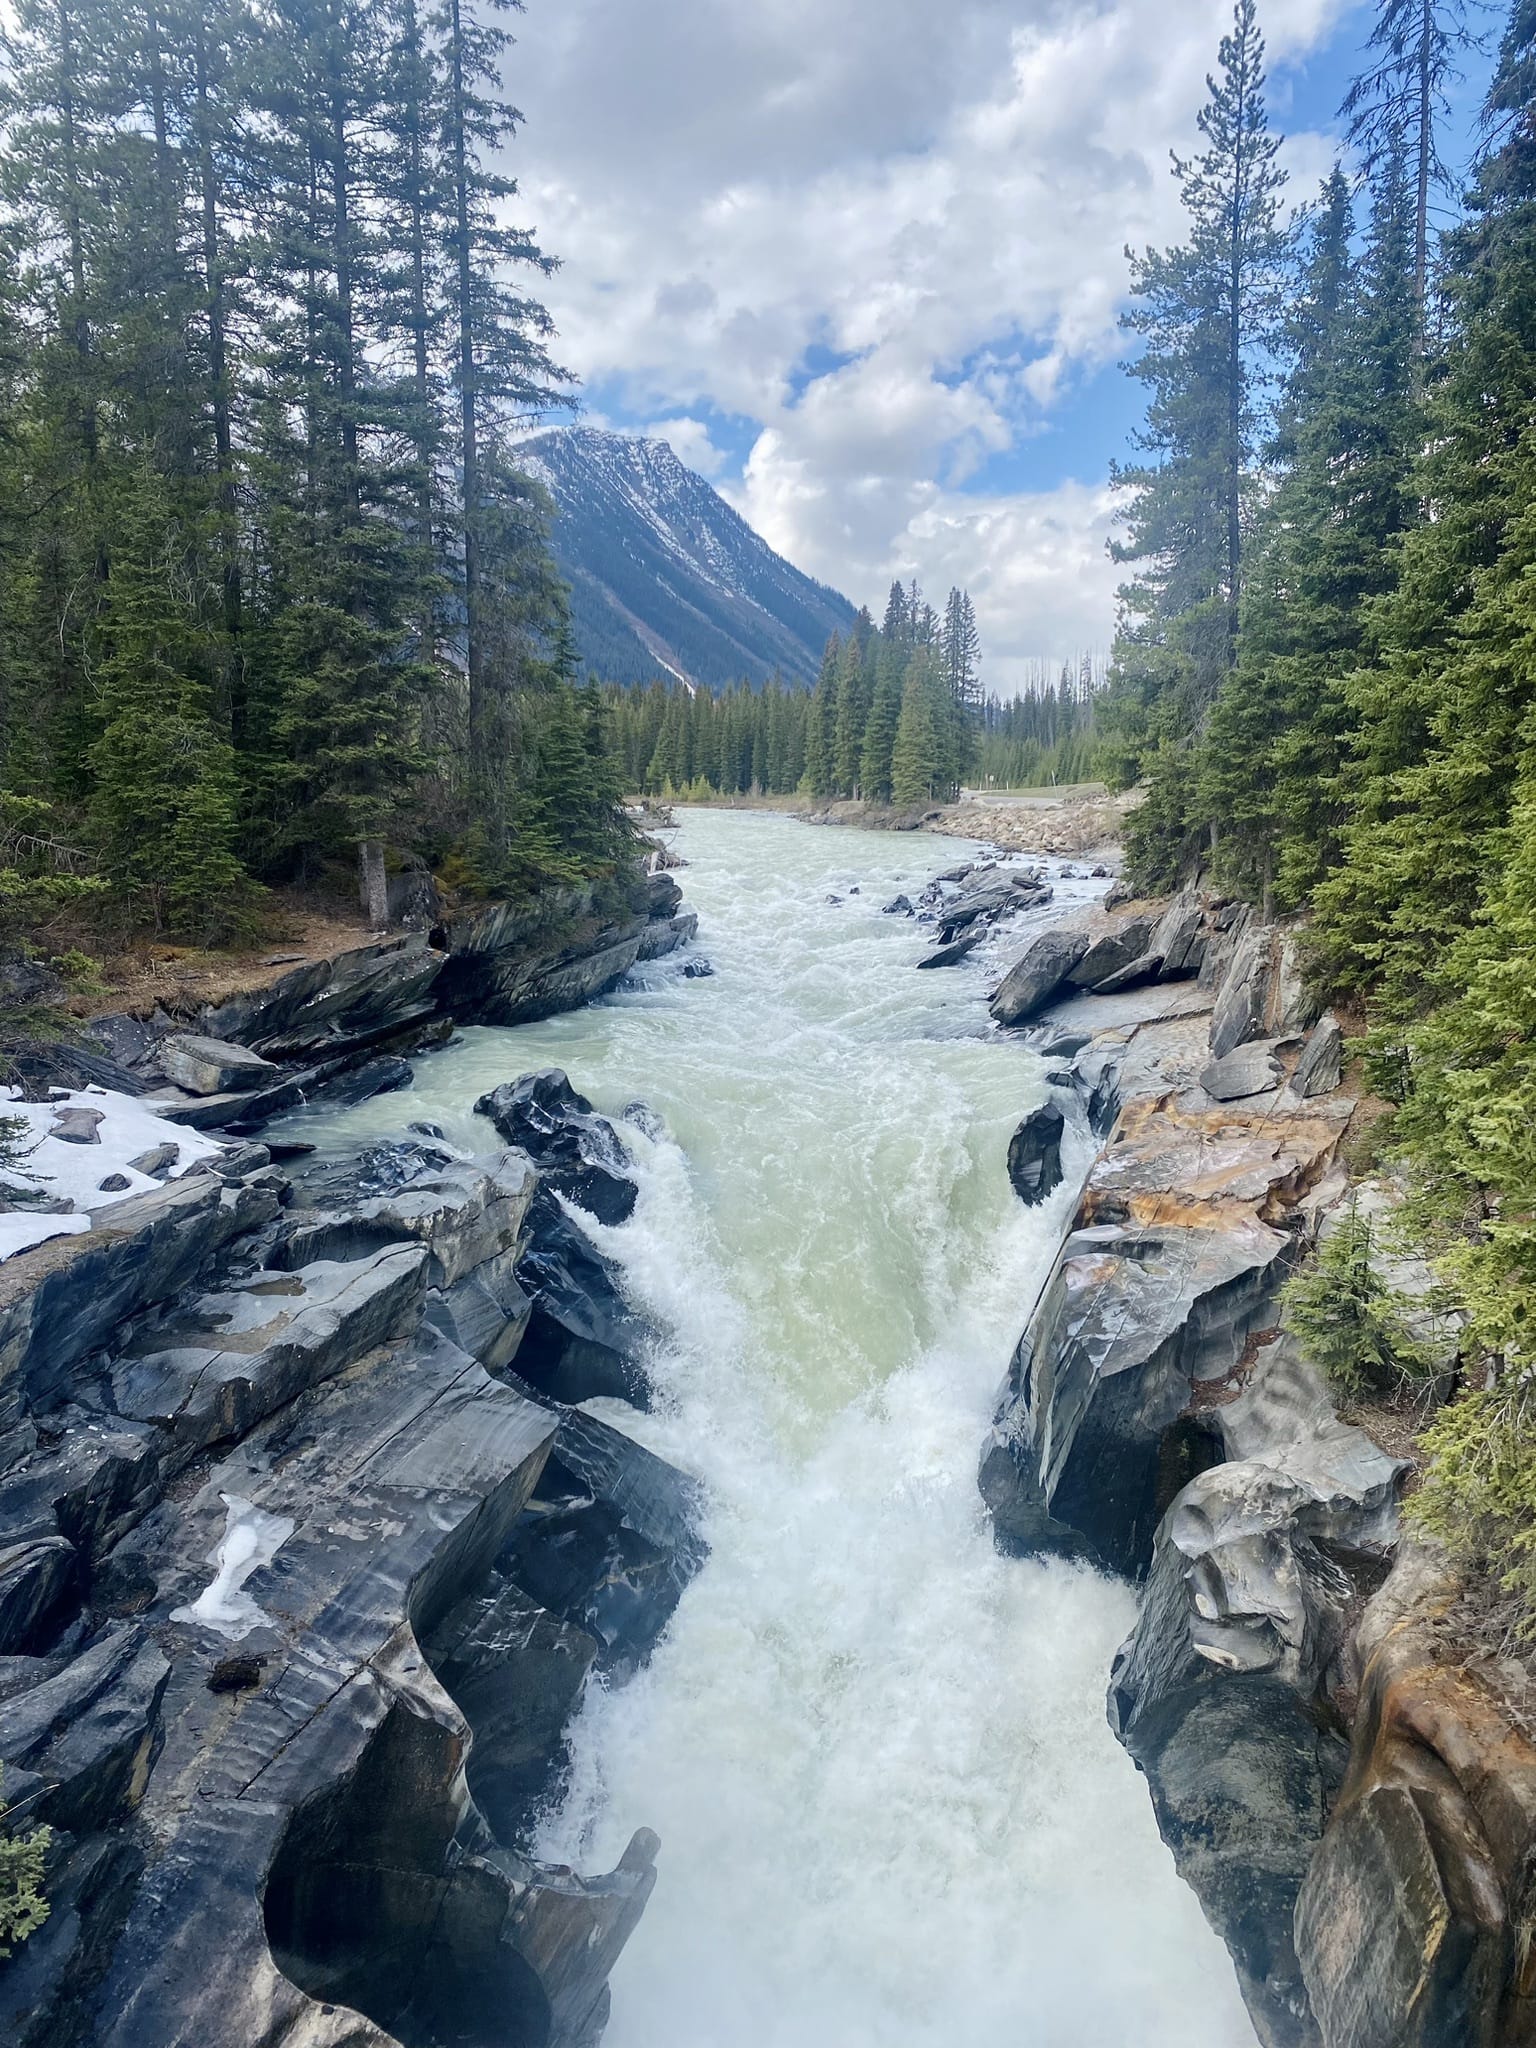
(665, 576)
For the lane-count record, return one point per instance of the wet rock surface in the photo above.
(579, 1153)
(1034, 1154)
(1227, 1692)
(1351, 1803)
(300, 1586)
(339, 1027)
(1412, 1924)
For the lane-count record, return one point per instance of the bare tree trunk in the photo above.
(374, 882)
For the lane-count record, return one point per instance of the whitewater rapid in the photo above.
(892, 1814)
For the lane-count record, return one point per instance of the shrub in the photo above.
(1346, 1318)
(1479, 1490)
(23, 1909)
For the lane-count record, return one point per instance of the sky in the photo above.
(861, 261)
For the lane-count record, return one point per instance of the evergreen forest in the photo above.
(1325, 670)
(897, 716)
(277, 609)
(861, 733)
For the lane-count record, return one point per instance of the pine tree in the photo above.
(917, 757)
(854, 691)
(1395, 108)
(960, 652)
(504, 375)
(164, 805)
(1206, 314)
(1325, 548)
(821, 725)
(1439, 712)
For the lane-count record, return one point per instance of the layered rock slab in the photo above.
(198, 1748)
(1225, 1691)
(1413, 1925)
(1176, 1257)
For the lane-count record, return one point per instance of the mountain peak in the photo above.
(665, 576)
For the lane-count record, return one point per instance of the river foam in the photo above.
(892, 1814)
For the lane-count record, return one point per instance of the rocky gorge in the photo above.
(326, 1567)
(300, 1580)
(1342, 1771)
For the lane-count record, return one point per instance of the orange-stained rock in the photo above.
(1414, 1923)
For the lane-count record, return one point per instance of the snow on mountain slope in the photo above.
(665, 577)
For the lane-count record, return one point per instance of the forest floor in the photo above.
(154, 974)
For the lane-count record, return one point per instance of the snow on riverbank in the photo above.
(55, 1169)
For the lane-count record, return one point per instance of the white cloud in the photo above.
(888, 239)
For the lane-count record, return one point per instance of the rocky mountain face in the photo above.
(665, 578)
(1347, 1783)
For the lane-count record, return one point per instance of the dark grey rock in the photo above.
(360, 1084)
(645, 1119)
(1112, 952)
(463, 1211)
(78, 1126)
(212, 1066)
(113, 1184)
(157, 1160)
(516, 1673)
(39, 1578)
(1250, 1069)
(952, 954)
(899, 906)
(609, 1541)
(1082, 1448)
(235, 1357)
(990, 894)
(1034, 1154)
(502, 970)
(577, 1152)
(89, 1737)
(1039, 973)
(1241, 996)
(1320, 1067)
(485, 1313)
(582, 1337)
(1223, 1692)
(127, 1040)
(60, 1303)
(329, 1859)
(326, 1006)
(43, 1064)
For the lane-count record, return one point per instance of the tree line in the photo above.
(1324, 672)
(894, 718)
(276, 606)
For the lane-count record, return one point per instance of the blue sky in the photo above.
(861, 263)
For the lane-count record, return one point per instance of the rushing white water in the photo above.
(892, 1814)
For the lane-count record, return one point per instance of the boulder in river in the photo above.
(952, 954)
(582, 1339)
(1039, 974)
(1034, 1154)
(577, 1152)
(1176, 1258)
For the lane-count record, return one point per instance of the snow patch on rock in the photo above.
(59, 1171)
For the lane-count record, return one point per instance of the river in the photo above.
(892, 1814)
